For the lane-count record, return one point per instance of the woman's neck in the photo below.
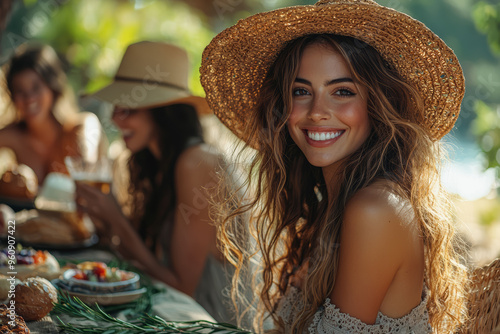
(331, 174)
(46, 131)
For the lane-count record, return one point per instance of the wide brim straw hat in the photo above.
(236, 61)
(152, 74)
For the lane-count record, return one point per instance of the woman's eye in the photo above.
(300, 92)
(344, 92)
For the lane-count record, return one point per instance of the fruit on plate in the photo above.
(97, 278)
(100, 272)
(28, 262)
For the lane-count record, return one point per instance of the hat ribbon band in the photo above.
(165, 84)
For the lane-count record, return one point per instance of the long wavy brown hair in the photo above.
(152, 181)
(292, 225)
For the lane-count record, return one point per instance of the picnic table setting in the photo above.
(105, 295)
(55, 276)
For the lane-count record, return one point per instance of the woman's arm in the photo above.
(193, 238)
(105, 209)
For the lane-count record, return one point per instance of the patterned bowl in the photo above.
(70, 283)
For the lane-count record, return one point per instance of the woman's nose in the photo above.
(319, 110)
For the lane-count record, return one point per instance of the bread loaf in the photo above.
(11, 323)
(19, 182)
(53, 228)
(34, 298)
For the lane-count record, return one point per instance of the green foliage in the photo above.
(490, 215)
(487, 125)
(487, 19)
(93, 35)
(487, 129)
(29, 3)
(143, 323)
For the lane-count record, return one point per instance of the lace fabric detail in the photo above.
(329, 319)
(290, 305)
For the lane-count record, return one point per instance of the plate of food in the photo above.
(116, 298)
(95, 282)
(54, 223)
(28, 262)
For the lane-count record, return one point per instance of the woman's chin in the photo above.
(34, 117)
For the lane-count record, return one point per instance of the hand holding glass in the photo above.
(97, 174)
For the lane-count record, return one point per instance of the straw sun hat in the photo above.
(236, 62)
(152, 74)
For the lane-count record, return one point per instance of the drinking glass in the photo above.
(97, 174)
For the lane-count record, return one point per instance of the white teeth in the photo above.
(126, 132)
(321, 136)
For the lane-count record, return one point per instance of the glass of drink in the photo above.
(97, 174)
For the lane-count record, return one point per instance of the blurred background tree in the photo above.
(487, 126)
(91, 36)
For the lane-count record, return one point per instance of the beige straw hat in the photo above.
(152, 74)
(235, 63)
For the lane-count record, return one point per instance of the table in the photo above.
(171, 305)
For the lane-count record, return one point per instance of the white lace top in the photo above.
(329, 319)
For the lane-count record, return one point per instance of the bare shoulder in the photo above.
(379, 207)
(11, 129)
(198, 158)
(11, 135)
(197, 168)
(379, 239)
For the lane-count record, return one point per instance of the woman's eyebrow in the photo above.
(304, 81)
(327, 83)
(339, 80)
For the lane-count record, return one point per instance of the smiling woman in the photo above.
(47, 126)
(171, 178)
(352, 223)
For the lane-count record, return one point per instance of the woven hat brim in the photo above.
(235, 63)
(149, 95)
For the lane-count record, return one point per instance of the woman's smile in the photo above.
(322, 137)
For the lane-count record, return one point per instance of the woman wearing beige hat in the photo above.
(168, 232)
(345, 102)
